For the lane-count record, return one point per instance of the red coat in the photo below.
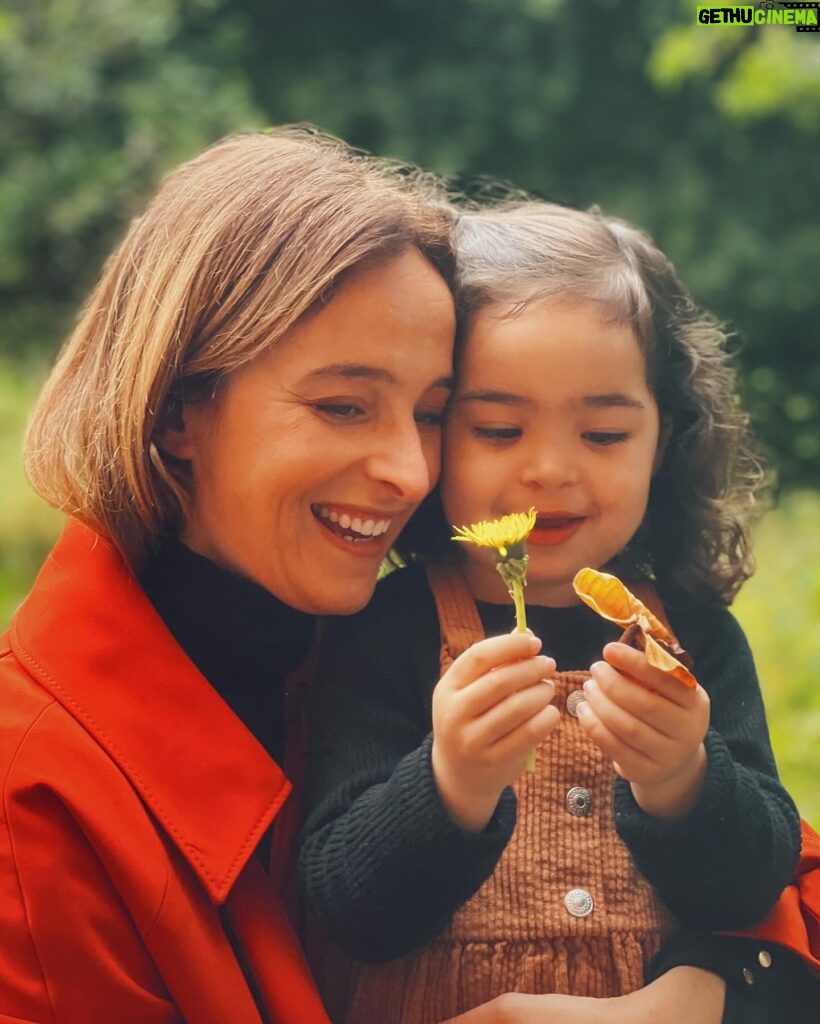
(133, 800)
(794, 920)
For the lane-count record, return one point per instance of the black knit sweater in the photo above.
(383, 865)
(245, 642)
(240, 637)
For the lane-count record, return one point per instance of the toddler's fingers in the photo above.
(511, 713)
(644, 704)
(634, 663)
(624, 727)
(520, 741)
(489, 654)
(495, 686)
(631, 763)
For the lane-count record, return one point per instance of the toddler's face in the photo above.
(552, 410)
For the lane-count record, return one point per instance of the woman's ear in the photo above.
(186, 414)
(175, 431)
(664, 434)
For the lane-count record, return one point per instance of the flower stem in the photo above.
(513, 572)
(517, 593)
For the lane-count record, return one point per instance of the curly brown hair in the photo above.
(694, 538)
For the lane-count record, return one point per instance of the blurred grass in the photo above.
(27, 525)
(779, 608)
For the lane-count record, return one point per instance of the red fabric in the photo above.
(795, 920)
(133, 799)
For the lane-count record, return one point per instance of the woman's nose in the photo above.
(408, 462)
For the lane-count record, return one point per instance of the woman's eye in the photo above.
(498, 434)
(339, 410)
(605, 437)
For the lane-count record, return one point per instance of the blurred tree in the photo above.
(751, 72)
(760, 78)
(583, 103)
(99, 97)
(580, 102)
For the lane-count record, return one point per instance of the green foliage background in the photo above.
(705, 135)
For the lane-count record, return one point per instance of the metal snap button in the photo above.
(573, 700)
(748, 976)
(764, 958)
(578, 902)
(579, 802)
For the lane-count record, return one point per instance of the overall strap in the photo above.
(645, 592)
(459, 621)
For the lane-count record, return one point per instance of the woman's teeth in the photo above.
(353, 528)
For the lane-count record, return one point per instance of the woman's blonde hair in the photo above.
(235, 248)
(695, 534)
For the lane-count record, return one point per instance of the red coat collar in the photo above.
(89, 636)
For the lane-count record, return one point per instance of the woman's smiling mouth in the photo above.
(353, 528)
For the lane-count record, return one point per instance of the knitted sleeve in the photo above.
(382, 864)
(765, 983)
(723, 865)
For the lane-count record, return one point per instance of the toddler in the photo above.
(591, 388)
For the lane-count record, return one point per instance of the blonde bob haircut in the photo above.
(236, 247)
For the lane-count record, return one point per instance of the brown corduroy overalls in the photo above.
(565, 909)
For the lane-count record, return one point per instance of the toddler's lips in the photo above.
(550, 530)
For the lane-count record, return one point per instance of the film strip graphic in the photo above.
(814, 4)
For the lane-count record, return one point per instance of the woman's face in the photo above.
(311, 459)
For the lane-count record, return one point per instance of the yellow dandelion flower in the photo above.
(508, 532)
(506, 536)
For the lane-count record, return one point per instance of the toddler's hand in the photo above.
(490, 708)
(651, 727)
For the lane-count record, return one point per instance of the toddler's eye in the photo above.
(605, 437)
(497, 434)
(429, 419)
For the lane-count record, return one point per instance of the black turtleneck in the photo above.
(575, 636)
(242, 639)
